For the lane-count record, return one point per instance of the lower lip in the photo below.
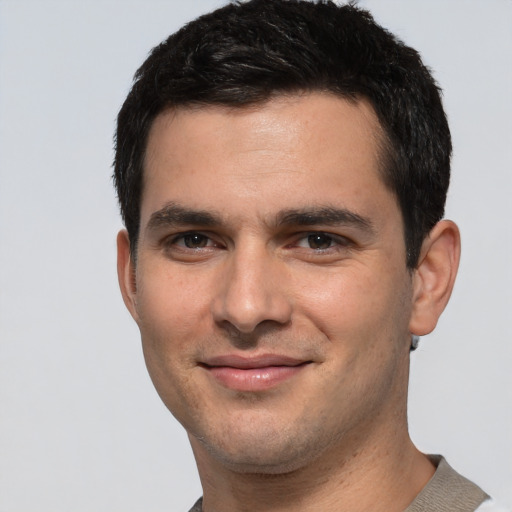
(253, 379)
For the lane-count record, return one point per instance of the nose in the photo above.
(253, 291)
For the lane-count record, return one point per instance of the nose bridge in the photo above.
(252, 290)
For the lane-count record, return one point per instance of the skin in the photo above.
(268, 232)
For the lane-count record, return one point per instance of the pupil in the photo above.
(319, 241)
(195, 241)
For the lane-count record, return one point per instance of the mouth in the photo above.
(254, 373)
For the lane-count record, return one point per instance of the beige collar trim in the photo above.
(447, 490)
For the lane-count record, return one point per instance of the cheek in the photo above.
(167, 295)
(172, 318)
(356, 304)
(173, 314)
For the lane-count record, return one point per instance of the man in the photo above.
(282, 168)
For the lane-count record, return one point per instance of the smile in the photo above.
(253, 374)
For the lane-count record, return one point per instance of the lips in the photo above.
(253, 373)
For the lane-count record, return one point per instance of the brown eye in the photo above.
(319, 241)
(195, 241)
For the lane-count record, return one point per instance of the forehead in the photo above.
(294, 148)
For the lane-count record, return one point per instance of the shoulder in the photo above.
(198, 506)
(491, 506)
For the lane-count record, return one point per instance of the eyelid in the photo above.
(215, 241)
(173, 239)
(182, 236)
(337, 240)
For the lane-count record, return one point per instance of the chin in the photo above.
(268, 463)
(270, 451)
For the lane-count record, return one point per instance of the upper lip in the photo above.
(246, 363)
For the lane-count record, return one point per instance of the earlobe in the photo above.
(126, 272)
(434, 276)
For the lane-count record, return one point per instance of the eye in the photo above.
(194, 240)
(190, 241)
(191, 246)
(319, 241)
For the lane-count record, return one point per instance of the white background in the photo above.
(81, 428)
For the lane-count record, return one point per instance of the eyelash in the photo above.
(335, 242)
(173, 241)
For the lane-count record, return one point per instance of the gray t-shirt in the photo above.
(446, 491)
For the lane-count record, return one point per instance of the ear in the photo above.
(434, 276)
(126, 273)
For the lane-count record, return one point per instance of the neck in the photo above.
(385, 476)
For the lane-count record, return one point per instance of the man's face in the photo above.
(271, 289)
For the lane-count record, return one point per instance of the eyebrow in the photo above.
(326, 216)
(173, 214)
